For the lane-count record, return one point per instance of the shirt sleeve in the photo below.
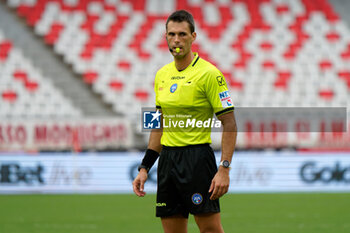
(156, 88)
(218, 94)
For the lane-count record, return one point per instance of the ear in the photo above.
(166, 37)
(194, 36)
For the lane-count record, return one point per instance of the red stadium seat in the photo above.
(52, 36)
(268, 64)
(9, 96)
(333, 37)
(325, 65)
(282, 80)
(282, 8)
(20, 75)
(90, 77)
(124, 65)
(326, 94)
(5, 48)
(141, 95)
(116, 85)
(31, 86)
(266, 46)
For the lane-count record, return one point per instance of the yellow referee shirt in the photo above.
(188, 99)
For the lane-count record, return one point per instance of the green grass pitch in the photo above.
(241, 213)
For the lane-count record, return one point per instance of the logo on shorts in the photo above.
(197, 198)
(173, 88)
(161, 204)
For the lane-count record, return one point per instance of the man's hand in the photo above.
(138, 184)
(220, 183)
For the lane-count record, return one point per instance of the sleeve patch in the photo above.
(225, 99)
(221, 80)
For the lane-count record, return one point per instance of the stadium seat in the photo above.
(117, 47)
(24, 92)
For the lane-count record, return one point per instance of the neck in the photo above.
(182, 63)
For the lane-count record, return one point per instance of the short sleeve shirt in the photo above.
(188, 99)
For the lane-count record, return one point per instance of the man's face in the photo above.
(179, 35)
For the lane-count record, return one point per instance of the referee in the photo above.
(189, 180)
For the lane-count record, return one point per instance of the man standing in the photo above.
(188, 178)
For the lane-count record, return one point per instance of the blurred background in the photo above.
(75, 75)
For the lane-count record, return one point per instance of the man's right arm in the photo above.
(152, 153)
(153, 144)
(154, 140)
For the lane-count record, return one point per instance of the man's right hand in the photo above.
(139, 183)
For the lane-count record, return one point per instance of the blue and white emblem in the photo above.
(151, 119)
(197, 198)
(173, 88)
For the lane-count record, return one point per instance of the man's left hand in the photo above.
(220, 183)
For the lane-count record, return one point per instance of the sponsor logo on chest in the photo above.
(177, 77)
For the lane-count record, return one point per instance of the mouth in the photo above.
(177, 49)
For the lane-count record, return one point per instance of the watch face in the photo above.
(225, 163)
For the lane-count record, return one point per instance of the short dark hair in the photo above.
(180, 16)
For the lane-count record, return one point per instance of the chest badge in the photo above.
(173, 88)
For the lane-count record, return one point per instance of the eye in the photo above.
(171, 34)
(182, 34)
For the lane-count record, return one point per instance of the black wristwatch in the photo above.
(225, 164)
(143, 166)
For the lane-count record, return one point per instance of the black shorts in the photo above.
(184, 179)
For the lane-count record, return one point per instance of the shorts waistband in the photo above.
(185, 147)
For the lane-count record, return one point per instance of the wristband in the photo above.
(149, 159)
(143, 166)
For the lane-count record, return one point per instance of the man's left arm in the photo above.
(221, 181)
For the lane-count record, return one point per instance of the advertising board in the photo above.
(114, 172)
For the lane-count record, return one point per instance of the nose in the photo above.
(177, 38)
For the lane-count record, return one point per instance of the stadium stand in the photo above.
(24, 92)
(272, 52)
